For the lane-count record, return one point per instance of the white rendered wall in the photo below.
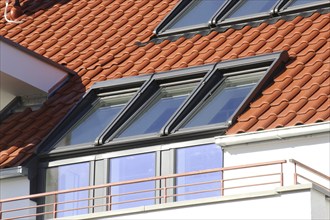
(320, 205)
(312, 150)
(15, 187)
(288, 206)
(297, 202)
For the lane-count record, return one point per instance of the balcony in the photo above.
(235, 180)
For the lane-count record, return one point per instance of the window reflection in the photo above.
(198, 12)
(295, 3)
(250, 7)
(221, 106)
(132, 168)
(153, 117)
(93, 123)
(69, 177)
(195, 159)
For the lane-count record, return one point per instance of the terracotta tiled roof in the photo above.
(97, 39)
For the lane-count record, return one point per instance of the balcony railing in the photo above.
(304, 173)
(231, 180)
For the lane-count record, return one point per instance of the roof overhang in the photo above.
(273, 134)
(26, 73)
(13, 172)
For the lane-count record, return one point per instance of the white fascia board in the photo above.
(273, 134)
(30, 67)
(13, 172)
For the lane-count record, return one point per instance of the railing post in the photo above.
(295, 174)
(109, 199)
(0, 210)
(165, 190)
(55, 206)
(282, 179)
(222, 184)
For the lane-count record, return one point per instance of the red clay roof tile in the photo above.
(97, 39)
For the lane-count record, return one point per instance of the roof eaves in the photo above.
(37, 56)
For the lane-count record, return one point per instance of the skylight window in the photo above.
(296, 5)
(224, 101)
(91, 125)
(251, 7)
(148, 126)
(188, 101)
(196, 13)
(204, 15)
(153, 117)
(299, 2)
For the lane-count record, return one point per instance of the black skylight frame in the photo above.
(162, 30)
(284, 6)
(145, 94)
(274, 62)
(220, 18)
(206, 78)
(86, 103)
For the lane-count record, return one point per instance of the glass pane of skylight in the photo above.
(65, 177)
(198, 12)
(197, 159)
(132, 168)
(250, 7)
(302, 2)
(90, 126)
(221, 105)
(159, 111)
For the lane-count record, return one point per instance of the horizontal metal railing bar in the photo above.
(249, 177)
(142, 180)
(73, 201)
(135, 200)
(28, 207)
(193, 184)
(106, 204)
(310, 169)
(249, 185)
(312, 181)
(108, 198)
(136, 192)
(73, 209)
(109, 185)
(196, 192)
(31, 215)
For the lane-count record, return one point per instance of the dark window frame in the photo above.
(99, 166)
(84, 106)
(165, 143)
(146, 94)
(284, 8)
(163, 27)
(44, 167)
(208, 76)
(220, 20)
(214, 79)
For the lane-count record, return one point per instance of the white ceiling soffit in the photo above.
(31, 68)
(27, 74)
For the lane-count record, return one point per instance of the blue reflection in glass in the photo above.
(250, 7)
(302, 2)
(220, 107)
(155, 117)
(89, 129)
(195, 159)
(199, 12)
(132, 168)
(70, 177)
